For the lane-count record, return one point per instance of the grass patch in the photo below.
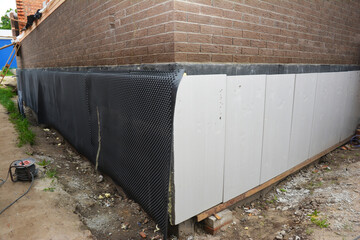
(314, 217)
(43, 163)
(9, 73)
(21, 123)
(49, 189)
(51, 173)
(275, 198)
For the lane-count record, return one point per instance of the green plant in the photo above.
(314, 218)
(283, 190)
(309, 231)
(5, 20)
(21, 123)
(9, 73)
(49, 189)
(51, 173)
(275, 198)
(43, 163)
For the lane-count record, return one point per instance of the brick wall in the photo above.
(268, 31)
(113, 32)
(102, 32)
(26, 8)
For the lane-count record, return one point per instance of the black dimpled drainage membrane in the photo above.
(135, 111)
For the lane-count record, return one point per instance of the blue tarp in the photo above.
(5, 53)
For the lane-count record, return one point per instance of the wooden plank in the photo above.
(231, 202)
(6, 46)
(17, 20)
(49, 10)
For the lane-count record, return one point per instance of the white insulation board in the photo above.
(351, 108)
(302, 118)
(199, 144)
(244, 133)
(233, 133)
(277, 125)
(329, 102)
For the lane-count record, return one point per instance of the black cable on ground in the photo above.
(2, 181)
(32, 181)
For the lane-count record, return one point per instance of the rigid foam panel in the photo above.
(244, 133)
(302, 117)
(329, 103)
(277, 125)
(199, 143)
(351, 108)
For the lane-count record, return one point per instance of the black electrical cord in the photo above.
(22, 174)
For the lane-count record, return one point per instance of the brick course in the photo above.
(112, 32)
(26, 8)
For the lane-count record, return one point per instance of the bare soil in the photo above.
(86, 204)
(328, 188)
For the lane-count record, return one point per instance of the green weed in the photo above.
(49, 189)
(44, 163)
(314, 217)
(283, 190)
(21, 123)
(309, 231)
(51, 173)
(275, 198)
(9, 73)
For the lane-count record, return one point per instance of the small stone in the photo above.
(100, 179)
(279, 236)
(100, 197)
(125, 226)
(46, 130)
(297, 238)
(283, 232)
(246, 228)
(107, 195)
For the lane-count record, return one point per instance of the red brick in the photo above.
(252, 35)
(241, 59)
(221, 58)
(241, 42)
(212, 11)
(232, 32)
(259, 44)
(222, 40)
(250, 51)
(199, 38)
(186, 27)
(206, 48)
(198, 57)
(187, 47)
(196, 18)
(206, 29)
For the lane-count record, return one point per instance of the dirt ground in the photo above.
(329, 189)
(38, 215)
(70, 200)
